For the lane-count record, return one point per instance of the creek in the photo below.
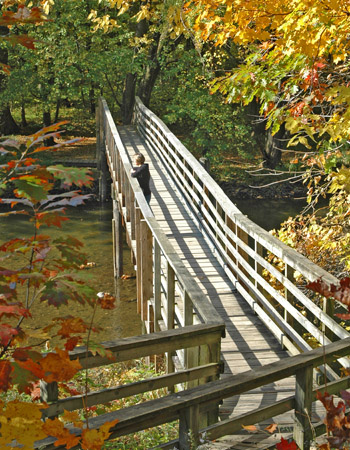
(92, 225)
(267, 213)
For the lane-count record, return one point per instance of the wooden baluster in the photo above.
(231, 258)
(132, 213)
(103, 167)
(146, 268)
(157, 286)
(289, 274)
(170, 311)
(157, 273)
(117, 229)
(138, 257)
(243, 236)
(328, 308)
(191, 355)
(189, 428)
(303, 404)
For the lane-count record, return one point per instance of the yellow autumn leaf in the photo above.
(21, 422)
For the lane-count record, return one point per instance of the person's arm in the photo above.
(138, 170)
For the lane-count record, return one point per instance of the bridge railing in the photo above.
(185, 406)
(242, 248)
(167, 296)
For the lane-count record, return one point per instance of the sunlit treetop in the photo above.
(314, 28)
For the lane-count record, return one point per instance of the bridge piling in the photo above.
(101, 156)
(117, 230)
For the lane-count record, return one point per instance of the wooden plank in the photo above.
(153, 344)
(107, 395)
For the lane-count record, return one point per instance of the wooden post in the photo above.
(170, 314)
(205, 163)
(289, 274)
(103, 167)
(98, 134)
(118, 240)
(303, 403)
(189, 428)
(48, 392)
(244, 237)
(328, 308)
(157, 286)
(146, 268)
(138, 257)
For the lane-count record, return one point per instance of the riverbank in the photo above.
(284, 190)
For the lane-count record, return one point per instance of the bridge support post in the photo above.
(101, 158)
(303, 404)
(189, 428)
(117, 230)
(146, 268)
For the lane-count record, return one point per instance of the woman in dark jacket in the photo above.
(141, 172)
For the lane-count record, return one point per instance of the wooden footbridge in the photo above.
(234, 325)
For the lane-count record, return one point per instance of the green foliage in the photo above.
(208, 126)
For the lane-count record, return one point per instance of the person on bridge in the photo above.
(142, 173)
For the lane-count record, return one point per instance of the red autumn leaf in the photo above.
(72, 343)
(36, 392)
(71, 325)
(286, 445)
(50, 218)
(339, 292)
(7, 332)
(21, 39)
(70, 390)
(5, 372)
(13, 310)
(106, 300)
(33, 367)
(58, 366)
(5, 68)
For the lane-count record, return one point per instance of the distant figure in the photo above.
(141, 172)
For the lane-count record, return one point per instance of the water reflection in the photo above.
(269, 214)
(92, 225)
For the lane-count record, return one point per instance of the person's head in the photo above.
(139, 159)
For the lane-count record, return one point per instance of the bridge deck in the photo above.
(248, 343)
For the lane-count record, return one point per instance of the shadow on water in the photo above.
(92, 224)
(269, 214)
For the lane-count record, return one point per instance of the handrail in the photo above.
(137, 347)
(242, 247)
(184, 406)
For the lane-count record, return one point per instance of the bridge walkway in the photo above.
(248, 343)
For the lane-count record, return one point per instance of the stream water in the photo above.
(92, 225)
(269, 214)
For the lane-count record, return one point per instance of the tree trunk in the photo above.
(268, 145)
(128, 98)
(57, 112)
(272, 153)
(47, 121)
(7, 122)
(92, 101)
(24, 122)
(148, 81)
